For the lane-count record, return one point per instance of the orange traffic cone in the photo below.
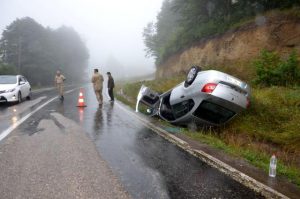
(81, 99)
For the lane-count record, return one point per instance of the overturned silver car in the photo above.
(206, 97)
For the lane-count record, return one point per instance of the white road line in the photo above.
(239, 176)
(20, 121)
(42, 90)
(46, 89)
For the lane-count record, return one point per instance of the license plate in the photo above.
(234, 81)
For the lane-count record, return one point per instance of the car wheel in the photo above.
(29, 95)
(191, 76)
(19, 97)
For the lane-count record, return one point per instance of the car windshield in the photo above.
(5, 79)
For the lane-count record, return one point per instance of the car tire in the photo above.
(191, 76)
(19, 97)
(29, 95)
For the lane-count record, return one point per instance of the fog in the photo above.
(111, 29)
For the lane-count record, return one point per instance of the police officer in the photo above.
(97, 81)
(110, 86)
(59, 84)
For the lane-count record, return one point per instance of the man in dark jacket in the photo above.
(110, 86)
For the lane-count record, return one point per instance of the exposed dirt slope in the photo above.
(275, 32)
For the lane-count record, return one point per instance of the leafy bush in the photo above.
(272, 70)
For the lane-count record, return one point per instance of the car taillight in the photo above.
(209, 88)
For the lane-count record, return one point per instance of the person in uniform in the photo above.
(110, 86)
(97, 81)
(59, 83)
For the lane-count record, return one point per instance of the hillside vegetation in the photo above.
(270, 125)
(260, 45)
(181, 23)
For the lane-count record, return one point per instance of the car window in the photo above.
(21, 79)
(7, 79)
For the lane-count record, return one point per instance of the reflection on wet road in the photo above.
(10, 113)
(147, 165)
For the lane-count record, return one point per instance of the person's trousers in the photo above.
(111, 93)
(60, 88)
(99, 96)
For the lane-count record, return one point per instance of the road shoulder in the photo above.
(236, 168)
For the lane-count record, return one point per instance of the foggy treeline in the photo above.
(28, 48)
(181, 23)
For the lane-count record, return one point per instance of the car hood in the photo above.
(7, 86)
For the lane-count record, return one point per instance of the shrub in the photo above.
(289, 70)
(272, 70)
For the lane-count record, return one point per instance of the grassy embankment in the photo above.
(271, 125)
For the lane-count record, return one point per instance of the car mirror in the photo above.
(21, 83)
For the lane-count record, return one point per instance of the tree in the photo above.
(36, 51)
(181, 23)
(6, 69)
(19, 40)
(157, 36)
(149, 35)
(70, 52)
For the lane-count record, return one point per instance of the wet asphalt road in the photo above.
(146, 165)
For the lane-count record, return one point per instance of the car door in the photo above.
(27, 87)
(23, 87)
(149, 98)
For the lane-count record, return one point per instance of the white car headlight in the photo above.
(10, 90)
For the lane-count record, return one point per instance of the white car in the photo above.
(14, 88)
(206, 97)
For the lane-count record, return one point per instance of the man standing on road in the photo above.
(59, 84)
(110, 86)
(97, 81)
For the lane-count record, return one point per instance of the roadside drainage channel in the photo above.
(240, 177)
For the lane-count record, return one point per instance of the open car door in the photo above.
(147, 101)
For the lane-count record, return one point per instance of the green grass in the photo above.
(130, 90)
(273, 117)
(255, 157)
(270, 125)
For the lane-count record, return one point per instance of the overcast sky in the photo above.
(110, 28)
